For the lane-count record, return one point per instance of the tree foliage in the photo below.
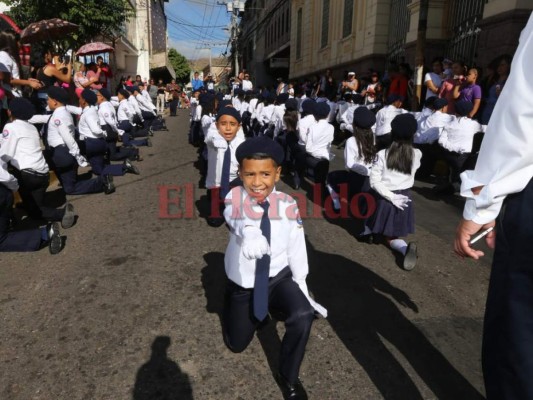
(96, 18)
(180, 65)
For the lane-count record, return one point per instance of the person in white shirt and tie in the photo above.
(266, 262)
(384, 118)
(93, 137)
(148, 109)
(318, 144)
(126, 118)
(65, 153)
(21, 148)
(499, 195)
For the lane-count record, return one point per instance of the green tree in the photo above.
(180, 65)
(96, 18)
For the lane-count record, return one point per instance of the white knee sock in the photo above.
(399, 245)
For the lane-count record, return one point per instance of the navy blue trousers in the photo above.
(66, 169)
(127, 127)
(114, 152)
(284, 296)
(95, 151)
(507, 353)
(29, 240)
(148, 118)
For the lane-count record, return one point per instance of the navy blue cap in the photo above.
(308, 106)
(291, 105)
(229, 111)
(439, 103)
(21, 108)
(393, 98)
(124, 93)
(321, 110)
(58, 94)
(463, 108)
(403, 126)
(261, 145)
(135, 89)
(106, 93)
(358, 99)
(363, 118)
(89, 96)
(430, 102)
(282, 98)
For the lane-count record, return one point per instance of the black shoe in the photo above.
(69, 218)
(215, 222)
(411, 256)
(54, 238)
(148, 142)
(129, 167)
(109, 186)
(290, 391)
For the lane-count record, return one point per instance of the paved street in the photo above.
(130, 309)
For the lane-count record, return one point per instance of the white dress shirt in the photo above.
(458, 135)
(287, 239)
(60, 129)
(252, 107)
(134, 106)
(505, 161)
(108, 115)
(247, 85)
(7, 179)
(145, 105)
(216, 147)
(147, 97)
(319, 140)
(304, 125)
(429, 128)
(384, 118)
(124, 111)
(353, 160)
(21, 146)
(197, 116)
(89, 123)
(333, 107)
(384, 180)
(267, 114)
(192, 107)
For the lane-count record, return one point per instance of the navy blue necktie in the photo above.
(224, 180)
(262, 270)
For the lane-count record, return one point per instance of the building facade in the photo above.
(264, 43)
(361, 34)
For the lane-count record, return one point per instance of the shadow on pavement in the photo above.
(363, 311)
(160, 378)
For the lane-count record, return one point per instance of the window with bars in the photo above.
(347, 18)
(299, 18)
(325, 24)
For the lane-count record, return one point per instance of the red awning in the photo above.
(7, 23)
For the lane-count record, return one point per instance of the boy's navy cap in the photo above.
(89, 96)
(135, 89)
(308, 106)
(229, 111)
(403, 126)
(463, 108)
(58, 94)
(347, 96)
(224, 103)
(291, 105)
(282, 98)
(357, 98)
(124, 93)
(21, 108)
(430, 102)
(393, 98)
(260, 145)
(364, 118)
(321, 110)
(439, 103)
(106, 93)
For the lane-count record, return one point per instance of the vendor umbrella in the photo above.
(94, 48)
(47, 29)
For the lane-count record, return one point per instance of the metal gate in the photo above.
(400, 17)
(464, 17)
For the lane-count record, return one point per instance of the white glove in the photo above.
(120, 132)
(400, 201)
(220, 143)
(254, 244)
(82, 162)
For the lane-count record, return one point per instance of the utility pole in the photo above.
(235, 8)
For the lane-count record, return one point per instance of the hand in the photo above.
(220, 143)
(254, 244)
(464, 233)
(82, 162)
(400, 201)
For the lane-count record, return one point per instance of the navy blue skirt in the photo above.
(389, 220)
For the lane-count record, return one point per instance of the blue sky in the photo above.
(208, 17)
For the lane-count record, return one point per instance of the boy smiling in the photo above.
(266, 262)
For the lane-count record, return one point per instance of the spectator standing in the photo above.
(196, 82)
(469, 91)
(433, 80)
(496, 84)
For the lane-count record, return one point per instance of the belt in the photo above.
(57, 147)
(33, 172)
